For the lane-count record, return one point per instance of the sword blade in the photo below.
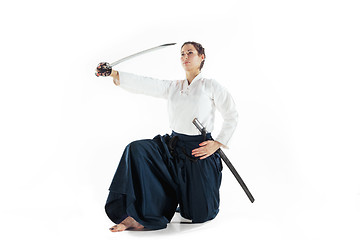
(141, 53)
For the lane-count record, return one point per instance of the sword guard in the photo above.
(103, 69)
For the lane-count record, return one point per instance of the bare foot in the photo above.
(128, 223)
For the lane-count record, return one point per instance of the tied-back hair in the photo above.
(199, 48)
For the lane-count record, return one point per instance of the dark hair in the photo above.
(199, 49)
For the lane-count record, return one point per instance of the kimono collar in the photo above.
(199, 76)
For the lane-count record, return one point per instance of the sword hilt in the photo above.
(200, 127)
(103, 69)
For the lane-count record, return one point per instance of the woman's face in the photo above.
(190, 58)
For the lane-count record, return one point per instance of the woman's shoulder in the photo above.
(210, 83)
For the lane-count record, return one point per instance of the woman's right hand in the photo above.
(99, 71)
(115, 75)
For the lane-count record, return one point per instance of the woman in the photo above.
(156, 175)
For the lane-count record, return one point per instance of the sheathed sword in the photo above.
(104, 68)
(202, 129)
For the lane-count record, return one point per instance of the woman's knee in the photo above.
(206, 216)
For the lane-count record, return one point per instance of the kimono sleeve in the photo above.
(144, 85)
(225, 104)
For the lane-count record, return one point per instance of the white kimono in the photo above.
(186, 102)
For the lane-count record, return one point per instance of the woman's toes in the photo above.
(118, 228)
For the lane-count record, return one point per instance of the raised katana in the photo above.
(202, 129)
(104, 68)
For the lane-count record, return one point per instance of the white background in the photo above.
(291, 66)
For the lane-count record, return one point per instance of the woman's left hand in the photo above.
(206, 149)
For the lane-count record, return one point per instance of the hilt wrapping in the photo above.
(103, 69)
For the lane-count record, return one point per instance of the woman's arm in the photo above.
(139, 84)
(227, 108)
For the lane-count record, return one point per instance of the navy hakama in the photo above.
(155, 175)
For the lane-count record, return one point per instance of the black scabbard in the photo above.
(236, 174)
(227, 162)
